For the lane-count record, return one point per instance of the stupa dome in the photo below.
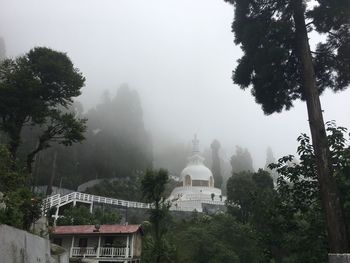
(196, 173)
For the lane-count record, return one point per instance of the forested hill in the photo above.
(116, 144)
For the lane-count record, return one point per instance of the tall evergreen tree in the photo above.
(215, 147)
(153, 188)
(281, 67)
(2, 49)
(269, 160)
(241, 161)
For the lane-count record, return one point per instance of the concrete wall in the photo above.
(137, 245)
(18, 246)
(339, 258)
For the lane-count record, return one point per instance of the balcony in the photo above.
(99, 252)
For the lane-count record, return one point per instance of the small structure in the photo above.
(196, 185)
(100, 243)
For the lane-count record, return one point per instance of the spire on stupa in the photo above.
(195, 145)
(195, 158)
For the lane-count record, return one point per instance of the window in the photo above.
(200, 183)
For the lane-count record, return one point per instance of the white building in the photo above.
(196, 185)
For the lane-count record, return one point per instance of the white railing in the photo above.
(57, 201)
(83, 252)
(112, 252)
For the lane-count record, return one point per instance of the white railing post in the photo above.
(127, 247)
(56, 215)
(71, 249)
(132, 246)
(98, 247)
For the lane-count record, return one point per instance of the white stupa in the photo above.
(197, 185)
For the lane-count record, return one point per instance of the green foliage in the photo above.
(287, 222)
(22, 208)
(153, 185)
(34, 88)
(161, 251)
(10, 179)
(298, 191)
(266, 32)
(81, 216)
(18, 206)
(216, 239)
(75, 216)
(122, 188)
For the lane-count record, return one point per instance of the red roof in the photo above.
(90, 229)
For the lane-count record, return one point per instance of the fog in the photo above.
(177, 54)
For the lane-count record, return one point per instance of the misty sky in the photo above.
(178, 54)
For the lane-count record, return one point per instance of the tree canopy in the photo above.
(35, 90)
(270, 65)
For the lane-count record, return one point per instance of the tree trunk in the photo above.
(156, 230)
(336, 227)
(53, 175)
(15, 141)
(37, 161)
(29, 163)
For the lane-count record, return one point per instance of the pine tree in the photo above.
(215, 147)
(280, 66)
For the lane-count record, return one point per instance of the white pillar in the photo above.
(71, 248)
(56, 215)
(91, 206)
(127, 247)
(132, 246)
(98, 246)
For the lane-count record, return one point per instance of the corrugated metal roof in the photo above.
(90, 229)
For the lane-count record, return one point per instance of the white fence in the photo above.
(58, 201)
(194, 201)
(112, 252)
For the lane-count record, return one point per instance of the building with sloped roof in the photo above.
(100, 243)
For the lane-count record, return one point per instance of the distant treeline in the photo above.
(116, 144)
